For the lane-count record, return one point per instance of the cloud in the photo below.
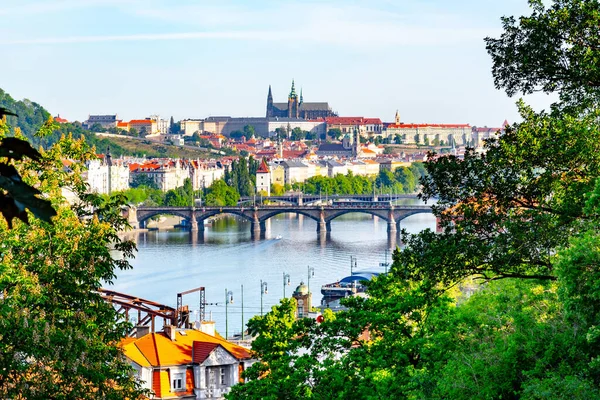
(345, 24)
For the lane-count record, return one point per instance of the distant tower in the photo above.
(303, 300)
(356, 143)
(293, 103)
(396, 118)
(270, 104)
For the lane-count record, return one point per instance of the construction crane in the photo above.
(182, 315)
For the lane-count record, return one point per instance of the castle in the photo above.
(296, 108)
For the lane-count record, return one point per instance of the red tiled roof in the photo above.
(263, 168)
(352, 121)
(141, 121)
(156, 349)
(60, 120)
(408, 126)
(294, 153)
(201, 351)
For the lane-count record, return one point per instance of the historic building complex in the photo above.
(297, 108)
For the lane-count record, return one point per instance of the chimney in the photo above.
(170, 331)
(207, 327)
(141, 330)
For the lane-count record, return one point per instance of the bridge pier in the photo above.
(323, 225)
(194, 222)
(391, 222)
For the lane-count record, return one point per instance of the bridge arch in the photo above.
(306, 213)
(382, 213)
(200, 217)
(144, 216)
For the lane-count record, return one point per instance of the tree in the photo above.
(277, 189)
(519, 229)
(220, 194)
(249, 131)
(59, 338)
(555, 50)
(174, 127)
(298, 134)
(138, 180)
(334, 133)
(237, 134)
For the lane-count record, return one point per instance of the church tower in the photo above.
(293, 107)
(396, 118)
(270, 104)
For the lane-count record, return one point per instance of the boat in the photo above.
(347, 286)
(278, 237)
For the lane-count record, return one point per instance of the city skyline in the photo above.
(189, 60)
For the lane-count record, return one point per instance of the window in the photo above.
(222, 370)
(177, 382)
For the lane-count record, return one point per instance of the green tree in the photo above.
(59, 338)
(277, 189)
(334, 133)
(555, 50)
(237, 134)
(519, 233)
(140, 179)
(298, 134)
(249, 131)
(220, 194)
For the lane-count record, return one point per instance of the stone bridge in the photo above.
(257, 215)
(305, 199)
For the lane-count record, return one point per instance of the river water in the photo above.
(225, 257)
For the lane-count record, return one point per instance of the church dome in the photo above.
(301, 290)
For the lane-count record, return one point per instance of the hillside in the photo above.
(32, 115)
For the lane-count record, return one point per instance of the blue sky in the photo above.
(193, 59)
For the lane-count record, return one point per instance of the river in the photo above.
(226, 256)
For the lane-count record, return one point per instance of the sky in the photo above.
(194, 59)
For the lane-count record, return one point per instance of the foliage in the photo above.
(143, 180)
(277, 189)
(182, 196)
(29, 118)
(242, 175)
(402, 180)
(555, 50)
(334, 133)
(220, 194)
(59, 339)
(519, 239)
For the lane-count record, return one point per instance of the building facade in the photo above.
(105, 121)
(186, 363)
(263, 178)
(98, 173)
(296, 107)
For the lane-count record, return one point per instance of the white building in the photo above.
(263, 178)
(186, 363)
(97, 176)
(204, 173)
(167, 174)
(191, 126)
(294, 171)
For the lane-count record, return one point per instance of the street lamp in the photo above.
(285, 276)
(263, 290)
(228, 300)
(243, 312)
(311, 272)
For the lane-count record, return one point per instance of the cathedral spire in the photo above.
(270, 95)
(293, 91)
(301, 99)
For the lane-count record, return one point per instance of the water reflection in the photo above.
(226, 254)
